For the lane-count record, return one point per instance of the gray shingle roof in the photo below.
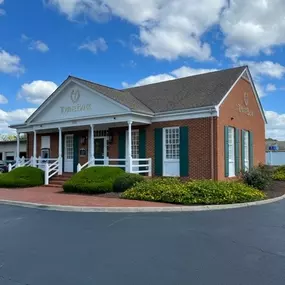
(185, 93)
(122, 97)
(188, 92)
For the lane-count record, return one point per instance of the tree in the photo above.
(11, 137)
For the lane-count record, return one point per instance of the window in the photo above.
(10, 156)
(135, 144)
(231, 150)
(69, 146)
(1, 155)
(45, 142)
(246, 149)
(172, 143)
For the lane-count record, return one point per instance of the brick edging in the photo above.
(138, 209)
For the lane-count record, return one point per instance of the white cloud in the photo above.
(188, 71)
(183, 71)
(276, 125)
(251, 27)
(95, 45)
(13, 117)
(39, 46)
(149, 80)
(3, 99)
(265, 68)
(37, 91)
(270, 87)
(10, 63)
(35, 44)
(167, 29)
(2, 11)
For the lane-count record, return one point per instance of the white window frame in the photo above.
(135, 143)
(177, 158)
(69, 136)
(231, 152)
(246, 149)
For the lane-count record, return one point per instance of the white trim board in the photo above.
(246, 70)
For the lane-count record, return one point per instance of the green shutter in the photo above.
(237, 152)
(142, 147)
(184, 152)
(122, 146)
(251, 157)
(158, 151)
(142, 143)
(242, 150)
(226, 154)
(75, 152)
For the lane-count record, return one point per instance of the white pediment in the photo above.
(75, 102)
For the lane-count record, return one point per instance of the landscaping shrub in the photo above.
(126, 181)
(259, 177)
(279, 173)
(171, 190)
(22, 177)
(93, 180)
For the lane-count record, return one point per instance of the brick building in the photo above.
(204, 126)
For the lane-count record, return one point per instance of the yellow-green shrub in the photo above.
(171, 190)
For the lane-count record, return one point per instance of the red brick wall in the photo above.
(199, 144)
(54, 144)
(230, 116)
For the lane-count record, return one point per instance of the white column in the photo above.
(92, 144)
(18, 150)
(35, 149)
(60, 152)
(130, 160)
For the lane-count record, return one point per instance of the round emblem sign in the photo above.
(75, 95)
(245, 99)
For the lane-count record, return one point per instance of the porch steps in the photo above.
(58, 181)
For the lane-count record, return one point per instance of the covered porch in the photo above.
(72, 149)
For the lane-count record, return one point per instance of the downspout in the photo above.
(212, 147)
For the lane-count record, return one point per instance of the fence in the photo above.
(275, 158)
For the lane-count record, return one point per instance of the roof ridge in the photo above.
(195, 75)
(89, 81)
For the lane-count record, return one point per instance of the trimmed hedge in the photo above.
(126, 181)
(22, 177)
(171, 190)
(93, 180)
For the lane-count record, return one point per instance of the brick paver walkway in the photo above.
(55, 196)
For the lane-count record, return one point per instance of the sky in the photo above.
(122, 43)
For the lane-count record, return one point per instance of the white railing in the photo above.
(51, 170)
(137, 165)
(121, 162)
(19, 163)
(141, 165)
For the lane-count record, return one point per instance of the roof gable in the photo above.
(73, 100)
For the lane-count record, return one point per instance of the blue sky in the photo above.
(131, 42)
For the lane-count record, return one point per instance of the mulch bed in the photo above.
(276, 189)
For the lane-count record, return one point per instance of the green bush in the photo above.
(22, 177)
(126, 181)
(279, 173)
(259, 177)
(171, 190)
(93, 180)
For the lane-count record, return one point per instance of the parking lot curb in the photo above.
(64, 208)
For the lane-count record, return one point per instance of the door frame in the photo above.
(65, 152)
(164, 160)
(105, 146)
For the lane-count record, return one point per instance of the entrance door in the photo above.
(68, 153)
(171, 151)
(99, 150)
